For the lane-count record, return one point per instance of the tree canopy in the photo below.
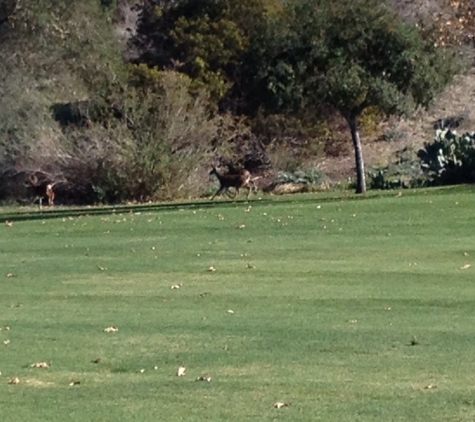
(349, 54)
(206, 39)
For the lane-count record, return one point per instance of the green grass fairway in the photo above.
(350, 308)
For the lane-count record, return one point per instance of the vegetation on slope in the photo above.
(108, 130)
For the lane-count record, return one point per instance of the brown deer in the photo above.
(41, 190)
(238, 180)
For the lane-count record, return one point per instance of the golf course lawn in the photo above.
(344, 308)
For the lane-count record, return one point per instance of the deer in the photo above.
(238, 180)
(42, 190)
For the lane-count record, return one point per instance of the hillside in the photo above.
(64, 85)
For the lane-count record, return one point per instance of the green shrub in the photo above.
(450, 159)
(405, 172)
(310, 177)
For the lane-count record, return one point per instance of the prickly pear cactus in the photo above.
(450, 159)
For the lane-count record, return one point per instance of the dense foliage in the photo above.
(249, 82)
(450, 158)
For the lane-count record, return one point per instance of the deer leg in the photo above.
(219, 192)
(231, 195)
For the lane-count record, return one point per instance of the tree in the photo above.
(349, 54)
(205, 39)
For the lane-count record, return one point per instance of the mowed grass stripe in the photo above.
(350, 309)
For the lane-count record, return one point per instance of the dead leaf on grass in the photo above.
(111, 329)
(181, 372)
(40, 365)
(281, 404)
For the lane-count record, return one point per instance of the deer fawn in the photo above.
(233, 180)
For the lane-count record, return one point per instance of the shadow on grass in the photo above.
(30, 214)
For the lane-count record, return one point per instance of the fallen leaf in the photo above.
(40, 365)
(181, 372)
(280, 404)
(13, 380)
(204, 378)
(111, 329)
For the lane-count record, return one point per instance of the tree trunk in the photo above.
(355, 136)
